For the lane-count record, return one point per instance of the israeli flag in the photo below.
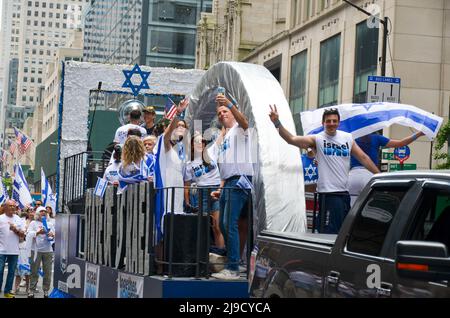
(48, 198)
(310, 173)
(3, 193)
(159, 185)
(138, 175)
(100, 187)
(244, 183)
(46, 229)
(363, 119)
(21, 192)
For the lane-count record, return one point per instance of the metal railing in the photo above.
(80, 173)
(131, 232)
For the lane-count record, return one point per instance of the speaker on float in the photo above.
(185, 243)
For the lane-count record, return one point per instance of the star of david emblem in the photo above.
(129, 84)
(366, 106)
(310, 171)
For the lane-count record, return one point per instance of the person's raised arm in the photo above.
(173, 124)
(304, 142)
(393, 143)
(240, 118)
(363, 158)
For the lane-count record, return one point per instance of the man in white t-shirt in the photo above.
(135, 121)
(41, 250)
(334, 149)
(235, 163)
(11, 229)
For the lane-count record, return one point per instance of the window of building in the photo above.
(366, 59)
(298, 82)
(329, 71)
(172, 42)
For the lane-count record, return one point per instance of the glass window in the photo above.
(298, 82)
(172, 42)
(329, 71)
(174, 12)
(372, 224)
(432, 218)
(366, 59)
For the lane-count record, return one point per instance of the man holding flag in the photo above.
(334, 148)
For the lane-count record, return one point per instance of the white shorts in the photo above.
(357, 180)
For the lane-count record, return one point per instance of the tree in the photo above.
(441, 139)
(7, 182)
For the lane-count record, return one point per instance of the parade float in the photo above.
(105, 246)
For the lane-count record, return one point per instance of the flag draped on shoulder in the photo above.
(21, 191)
(129, 176)
(48, 198)
(363, 119)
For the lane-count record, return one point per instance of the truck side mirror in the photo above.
(422, 260)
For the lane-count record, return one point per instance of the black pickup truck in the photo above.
(394, 243)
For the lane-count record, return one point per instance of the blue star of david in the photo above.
(310, 171)
(136, 88)
(366, 106)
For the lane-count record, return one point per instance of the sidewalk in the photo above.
(21, 293)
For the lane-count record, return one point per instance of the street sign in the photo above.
(383, 89)
(402, 153)
(406, 166)
(388, 156)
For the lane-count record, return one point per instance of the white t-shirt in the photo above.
(203, 176)
(41, 242)
(9, 241)
(111, 173)
(122, 132)
(171, 164)
(234, 154)
(333, 156)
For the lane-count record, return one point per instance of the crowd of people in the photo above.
(27, 246)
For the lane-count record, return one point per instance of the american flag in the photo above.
(22, 140)
(170, 109)
(12, 147)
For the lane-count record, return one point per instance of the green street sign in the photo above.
(406, 166)
(388, 156)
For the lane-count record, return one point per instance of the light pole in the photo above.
(384, 22)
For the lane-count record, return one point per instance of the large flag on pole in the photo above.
(363, 119)
(3, 193)
(48, 198)
(21, 191)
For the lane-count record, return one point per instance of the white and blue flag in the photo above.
(48, 198)
(136, 174)
(3, 193)
(100, 187)
(21, 191)
(363, 119)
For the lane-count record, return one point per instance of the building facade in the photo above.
(9, 53)
(235, 27)
(329, 49)
(145, 32)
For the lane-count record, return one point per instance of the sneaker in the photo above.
(45, 294)
(217, 262)
(30, 295)
(22, 283)
(9, 295)
(226, 274)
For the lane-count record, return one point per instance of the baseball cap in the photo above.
(149, 109)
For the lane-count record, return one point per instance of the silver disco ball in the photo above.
(127, 107)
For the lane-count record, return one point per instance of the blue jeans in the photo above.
(12, 264)
(333, 208)
(233, 204)
(206, 195)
